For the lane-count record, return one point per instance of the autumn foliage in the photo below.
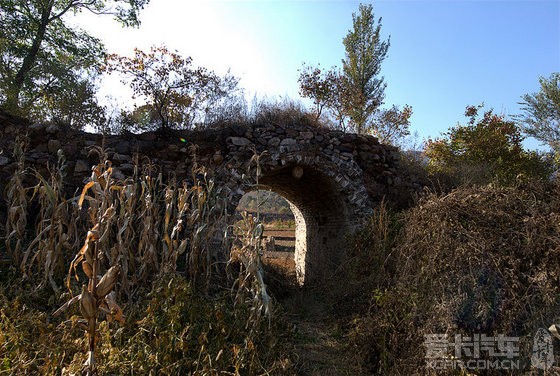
(486, 149)
(170, 89)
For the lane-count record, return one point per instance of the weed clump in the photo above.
(478, 260)
(173, 330)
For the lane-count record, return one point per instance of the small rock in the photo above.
(34, 155)
(70, 149)
(37, 126)
(239, 141)
(218, 158)
(274, 141)
(345, 149)
(117, 174)
(121, 157)
(4, 160)
(372, 139)
(365, 147)
(42, 162)
(43, 148)
(52, 129)
(81, 166)
(291, 132)
(10, 128)
(287, 141)
(297, 172)
(306, 135)
(395, 155)
(363, 155)
(53, 146)
(44, 172)
(122, 147)
(238, 130)
(148, 136)
(127, 167)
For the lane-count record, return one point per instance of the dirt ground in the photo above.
(320, 346)
(282, 259)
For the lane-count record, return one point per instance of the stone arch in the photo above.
(326, 201)
(342, 175)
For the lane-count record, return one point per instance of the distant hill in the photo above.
(268, 202)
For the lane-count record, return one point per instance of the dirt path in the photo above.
(320, 345)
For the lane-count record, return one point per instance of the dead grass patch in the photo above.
(476, 260)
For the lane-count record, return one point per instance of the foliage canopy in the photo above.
(42, 58)
(486, 149)
(173, 91)
(541, 118)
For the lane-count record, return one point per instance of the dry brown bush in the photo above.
(283, 111)
(477, 260)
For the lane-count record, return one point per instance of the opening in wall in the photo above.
(279, 235)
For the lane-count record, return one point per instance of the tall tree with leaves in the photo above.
(72, 104)
(351, 97)
(38, 50)
(173, 91)
(365, 51)
(541, 118)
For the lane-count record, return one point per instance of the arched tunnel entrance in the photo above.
(278, 238)
(320, 215)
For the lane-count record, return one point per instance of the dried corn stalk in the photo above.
(96, 296)
(56, 229)
(17, 205)
(246, 249)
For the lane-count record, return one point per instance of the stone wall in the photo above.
(331, 179)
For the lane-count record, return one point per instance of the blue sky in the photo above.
(444, 55)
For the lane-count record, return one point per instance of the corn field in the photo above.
(105, 244)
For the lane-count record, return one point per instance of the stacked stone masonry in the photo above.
(332, 180)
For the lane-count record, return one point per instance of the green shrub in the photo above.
(487, 149)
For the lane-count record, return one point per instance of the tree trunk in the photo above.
(12, 100)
